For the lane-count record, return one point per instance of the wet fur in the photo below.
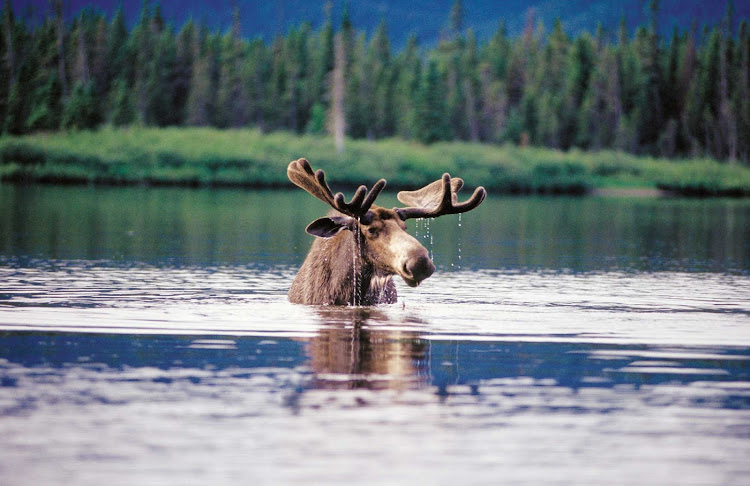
(327, 275)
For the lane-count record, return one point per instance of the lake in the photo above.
(145, 338)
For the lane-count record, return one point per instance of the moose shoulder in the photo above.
(360, 246)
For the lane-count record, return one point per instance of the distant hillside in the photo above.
(426, 18)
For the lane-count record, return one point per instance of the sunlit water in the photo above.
(152, 347)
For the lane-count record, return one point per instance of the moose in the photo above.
(347, 352)
(360, 246)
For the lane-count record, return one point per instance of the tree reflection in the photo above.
(352, 351)
(230, 227)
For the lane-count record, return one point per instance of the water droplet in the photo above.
(459, 241)
(356, 298)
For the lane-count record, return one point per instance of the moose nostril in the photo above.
(419, 268)
(406, 271)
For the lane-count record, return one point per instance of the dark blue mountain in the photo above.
(426, 18)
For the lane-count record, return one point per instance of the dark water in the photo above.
(145, 338)
(222, 227)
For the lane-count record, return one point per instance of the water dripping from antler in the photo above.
(459, 241)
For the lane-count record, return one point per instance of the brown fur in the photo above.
(332, 275)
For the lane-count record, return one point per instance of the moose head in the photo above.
(360, 246)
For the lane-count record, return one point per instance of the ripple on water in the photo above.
(206, 375)
(663, 308)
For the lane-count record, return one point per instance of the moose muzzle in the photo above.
(416, 269)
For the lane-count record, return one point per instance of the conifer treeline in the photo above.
(688, 95)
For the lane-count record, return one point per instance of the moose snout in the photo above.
(416, 269)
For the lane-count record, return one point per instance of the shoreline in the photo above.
(635, 192)
(604, 192)
(249, 159)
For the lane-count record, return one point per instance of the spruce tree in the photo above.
(122, 110)
(13, 115)
(159, 108)
(382, 75)
(182, 73)
(471, 110)
(407, 79)
(116, 49)
(358, 97)
(79, 112)
(577, 77)
(688, 96)
(232, 97)
(317, 122)
(42, 102)
(321, 63)
(200, 102)
(431, 120)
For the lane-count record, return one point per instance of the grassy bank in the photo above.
(206, 156)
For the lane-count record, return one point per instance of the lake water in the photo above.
(145, 338)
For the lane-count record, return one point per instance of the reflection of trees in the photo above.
(347, 353)
(234, 227)
(598, 234)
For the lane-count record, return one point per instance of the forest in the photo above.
(687, 95)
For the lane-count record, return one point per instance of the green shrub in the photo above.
(245, 157)
(21, 154)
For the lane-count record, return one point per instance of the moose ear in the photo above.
(329, 226)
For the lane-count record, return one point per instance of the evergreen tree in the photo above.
(457, 18)
(577, 78)
(43, 105)
(742, 93)
(651, 116)
(276, 105)
(670, 91)
(117, 54)
(321, 48)
(122, 110)
(159, 108)
(10, 89)
(492, 69)
(471, 87)
(306, 72)
(231, 97)
(99, 63)
(79, 111)
(358, 106)
(182, 73)
(317, 123)
(140, 44)
(200, 103)
(258, 66)
(382, 122)
(60, 31)
(295, 67)
(688, 96)
(431, 123)
(601, 110)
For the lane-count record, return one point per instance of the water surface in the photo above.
(145, 337)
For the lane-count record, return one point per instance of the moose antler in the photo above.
(437, 199)
(301, 173)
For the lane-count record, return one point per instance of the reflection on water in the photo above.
(145, 337)
(194, 375)
(88, 408)
(347, 353)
